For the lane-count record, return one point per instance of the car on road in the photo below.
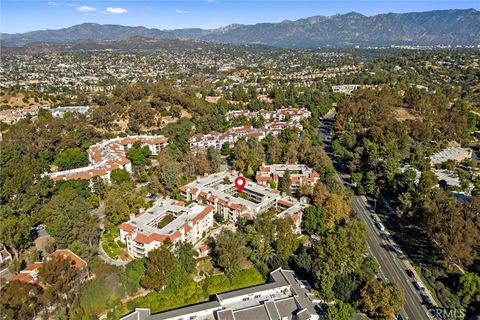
(410, 273)
(426, 299)
(380, 226)
(418, 285)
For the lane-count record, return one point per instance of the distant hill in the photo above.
(450, 27)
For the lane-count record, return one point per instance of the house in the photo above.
(30, 273)
(284, 296)
(167, 219)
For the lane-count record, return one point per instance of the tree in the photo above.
(215, 159)
(313, 222)
(469, 287)
(160, 263)
(186, 255)
(67, 215)
(229, 251)
(62, 279)
(225, 149)
(71, 158)
(274, 151)
(15, 233)
(121, 200)
(240, 155)
(291, 153)
(286, 183)
(20, 300)
(140, 156)
(120, 175)
(320, 194)
(381, 300)
(340, 311)
(134, 272)
(337, 209)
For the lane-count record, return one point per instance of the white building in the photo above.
(283, 297)
(167, 219)
(109, 155)
(219, 191)
(345, 88)
(276, 122)
(60, 111)
(299, 174)
(455, 154)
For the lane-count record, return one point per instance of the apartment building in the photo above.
(284, 296)
(276, 122)
(218, 190)
(283, 114)
(299, 174)
(167, 219)
(109, 155)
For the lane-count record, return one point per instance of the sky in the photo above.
(22, 16)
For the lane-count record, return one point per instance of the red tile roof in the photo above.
(127, 227)
(200, 216)
(78, 262)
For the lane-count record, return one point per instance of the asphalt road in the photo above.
(392, 268)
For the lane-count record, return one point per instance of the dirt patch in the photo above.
(402, 114)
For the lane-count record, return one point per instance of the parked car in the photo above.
(409, 273)
(380, 226)
(417, 284)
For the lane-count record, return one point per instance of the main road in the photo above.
(392, 267)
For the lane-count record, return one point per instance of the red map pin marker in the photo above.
(240, 183)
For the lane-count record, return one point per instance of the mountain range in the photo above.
(439, 27)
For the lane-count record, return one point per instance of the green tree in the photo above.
(340, 311)
(121, 200)
(229, 251)
(160, 263)
(286, 183)
(119, 176)
(313, 222)
(215, 159)
(15, 233)
(138, 154)
(134, 272)
(71, 158)
(469, 287)
(186, 255)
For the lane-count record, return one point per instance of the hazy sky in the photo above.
(22, 16)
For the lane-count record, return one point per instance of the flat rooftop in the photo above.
(147, 222)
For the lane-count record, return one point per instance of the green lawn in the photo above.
(194, 292)
(165, 220)
(111, 247)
